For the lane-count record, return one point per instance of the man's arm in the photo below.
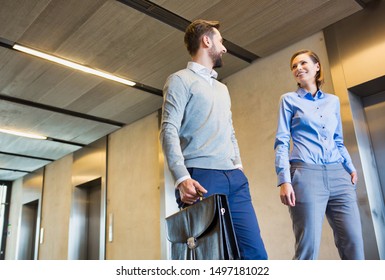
(176, 97)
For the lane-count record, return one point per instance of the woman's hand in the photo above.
(287, 194)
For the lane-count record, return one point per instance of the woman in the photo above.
(318, 176)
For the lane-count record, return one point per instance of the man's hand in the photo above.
(189, 191)
(287, 194)
(354, 177)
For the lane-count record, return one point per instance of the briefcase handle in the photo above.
(200, 194)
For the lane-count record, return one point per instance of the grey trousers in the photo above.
(320, 190)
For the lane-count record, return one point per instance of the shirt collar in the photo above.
(304, 94)
(201, 70)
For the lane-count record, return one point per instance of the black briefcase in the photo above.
(203, 231)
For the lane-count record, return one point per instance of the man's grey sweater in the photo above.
(196, 128)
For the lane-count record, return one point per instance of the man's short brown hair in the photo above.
(195, 31)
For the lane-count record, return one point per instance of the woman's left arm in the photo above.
(339, 140)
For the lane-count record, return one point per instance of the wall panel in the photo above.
(56, 209)
(133, 197)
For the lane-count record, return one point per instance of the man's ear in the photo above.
(206, 41)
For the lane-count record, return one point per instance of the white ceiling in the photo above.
(144, 44)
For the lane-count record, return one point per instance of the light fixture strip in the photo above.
(73, 65)
(23, 134)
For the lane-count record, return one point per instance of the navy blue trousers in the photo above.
(235, 185)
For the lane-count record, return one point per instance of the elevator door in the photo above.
(93, 227)
(3, 218)
(28, 230)
(374, 107)
(90, 220)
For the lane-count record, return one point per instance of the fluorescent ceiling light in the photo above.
(23, 134)
(73, 65)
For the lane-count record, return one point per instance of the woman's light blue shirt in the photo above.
(314, 126)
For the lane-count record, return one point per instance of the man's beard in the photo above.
(216, 57)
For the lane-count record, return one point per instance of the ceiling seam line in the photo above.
(26, 156)
(15, 170)
(361, 3)
(66, 142)
(58, 110)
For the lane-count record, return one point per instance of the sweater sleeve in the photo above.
(175, 99)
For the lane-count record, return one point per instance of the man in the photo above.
(198, 137)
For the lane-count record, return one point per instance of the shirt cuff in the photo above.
(180, 180)
(283, 178)
(349, 167)
(238, 166)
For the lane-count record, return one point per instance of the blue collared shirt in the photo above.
(314, 126)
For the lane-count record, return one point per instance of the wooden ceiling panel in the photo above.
(8, 175)
(34, 147)
(59, 20)
(169, 52)
(125, 51)
(17, 15)
(144, 47)
(30, 78)
(21, 118)
(70, 89)
(27, 164)
(258, 21)
(69, 128)
(107, 33)
(141, 109)
(54, 125)
(190, 10)
(11, 70)
(302, 26)
(98, 95)
(123, 105)
(92, 132)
